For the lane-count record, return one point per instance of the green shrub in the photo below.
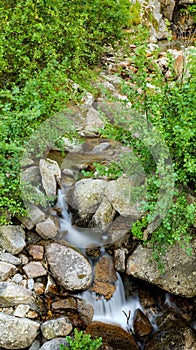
(82, 341)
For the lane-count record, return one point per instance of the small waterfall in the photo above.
(115, 310)
(80, 239)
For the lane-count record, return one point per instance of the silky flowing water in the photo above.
(115, 310)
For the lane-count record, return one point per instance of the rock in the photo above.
(11, 294)
(21, 310)
(104, 214)
(54, 344)
(36, 251)
(7, 257)
(173, 333)
(70, 268)
(6, 270)
(119, 259)
(88, 99)
(179, 275)
(141, 324)
(113, 335)
(104, 277)
(17, 333)
(35, 216)
(12, 238)
(167, 8)
(47, 229)
(35, 345)
(50, 173)
(58, 327)
(17, 278)
(79, 311)
(87, 195)
(34, 269)
(120, 193)
(93, 123)
(31, 176)
(39, 288)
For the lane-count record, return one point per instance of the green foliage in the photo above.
(82, 341)
(45, 47)
(36, 32)
(167, 108)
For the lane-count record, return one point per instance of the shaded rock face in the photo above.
(104, 277)
(71, 269)
(172, 334)
(17, 333)
(141, 324)
(12, 294)
(179, 276)
(113, 335)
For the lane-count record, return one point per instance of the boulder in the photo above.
(58, 327)
(141, 324)
(54, 344)
(104, 214)
(113, 335)
(93, 123)
(50, 173)
(11, 294)
(173, 334)
(6, 270)
(71, 269)
(179, 275)
(122, 196)
(87, 195)
(104, 277)
(47, 229)
(12, 238)
(17, 333)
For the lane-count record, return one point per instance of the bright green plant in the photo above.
(82, 341)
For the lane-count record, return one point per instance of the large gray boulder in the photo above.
(180, 269)
(12, 238)
(12, 294)
(58, 327)
(70, 268)
(87, 195)
(17, 333)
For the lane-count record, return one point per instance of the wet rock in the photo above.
(179, 275)
(113, 335)
(54, 344)
(93, 123)
(36, 251)
(17, 333)
(50, 173)
(120, 194)
(6, 270)
(173, 334)
(104, 277)
(70, 268)
(47, 229)
(87, 195)
(34, 270)
(141, 324)
(104, 214)
(11, 294)
(12, 238)
(58, 327)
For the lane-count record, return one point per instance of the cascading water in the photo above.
(116, 309)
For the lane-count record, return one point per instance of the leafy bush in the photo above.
(82, 341)
(34, 33)
(45, 46)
